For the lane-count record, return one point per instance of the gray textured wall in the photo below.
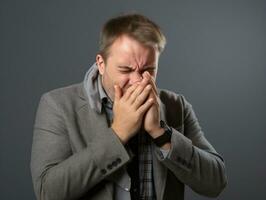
(215, 56)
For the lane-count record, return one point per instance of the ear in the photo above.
(100, 63)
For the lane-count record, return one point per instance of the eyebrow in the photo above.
(130, 68)
(150, 67)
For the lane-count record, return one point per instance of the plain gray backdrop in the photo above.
(215, 56)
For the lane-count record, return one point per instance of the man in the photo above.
(116, 135)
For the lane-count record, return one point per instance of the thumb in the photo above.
(118, 92)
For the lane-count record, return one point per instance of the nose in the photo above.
(135, 77)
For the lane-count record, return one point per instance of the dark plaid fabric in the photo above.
(133, 168)
(145, 167)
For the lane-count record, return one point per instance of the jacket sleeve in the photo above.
(57, 173)
(192, 159)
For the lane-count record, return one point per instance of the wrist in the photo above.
(164, 140)
(156, 132)
(122, 136)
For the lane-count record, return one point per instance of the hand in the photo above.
(152, 117)
(130, 108)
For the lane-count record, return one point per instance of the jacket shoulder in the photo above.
(64, 97)
(70, 90)
(167, 96)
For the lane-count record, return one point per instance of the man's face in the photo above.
(127, 61)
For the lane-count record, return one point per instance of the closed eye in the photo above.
(125, 71)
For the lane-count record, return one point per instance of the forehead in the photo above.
(131, 52)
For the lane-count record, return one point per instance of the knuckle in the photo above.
(139, 112)
(138, 99)
(128, 91)
(138, 90)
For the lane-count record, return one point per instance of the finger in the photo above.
(154, 97)
(153, 93)
(151, 81)
(138, 91)
(142, 97)
(142, 109)
(129, 91)
(118, 93)
(145, 80)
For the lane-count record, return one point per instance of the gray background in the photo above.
(215, 56)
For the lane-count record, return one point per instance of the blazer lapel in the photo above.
(90, 122)
(88, 118)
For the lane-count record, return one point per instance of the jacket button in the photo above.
(184, 162)
(114, 163)
(118, 160)
(103, 171)
(110, 167)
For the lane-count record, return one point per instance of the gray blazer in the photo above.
(75, 155)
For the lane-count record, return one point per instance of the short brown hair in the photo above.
(136, 26)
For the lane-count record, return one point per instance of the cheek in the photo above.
(123, 82)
